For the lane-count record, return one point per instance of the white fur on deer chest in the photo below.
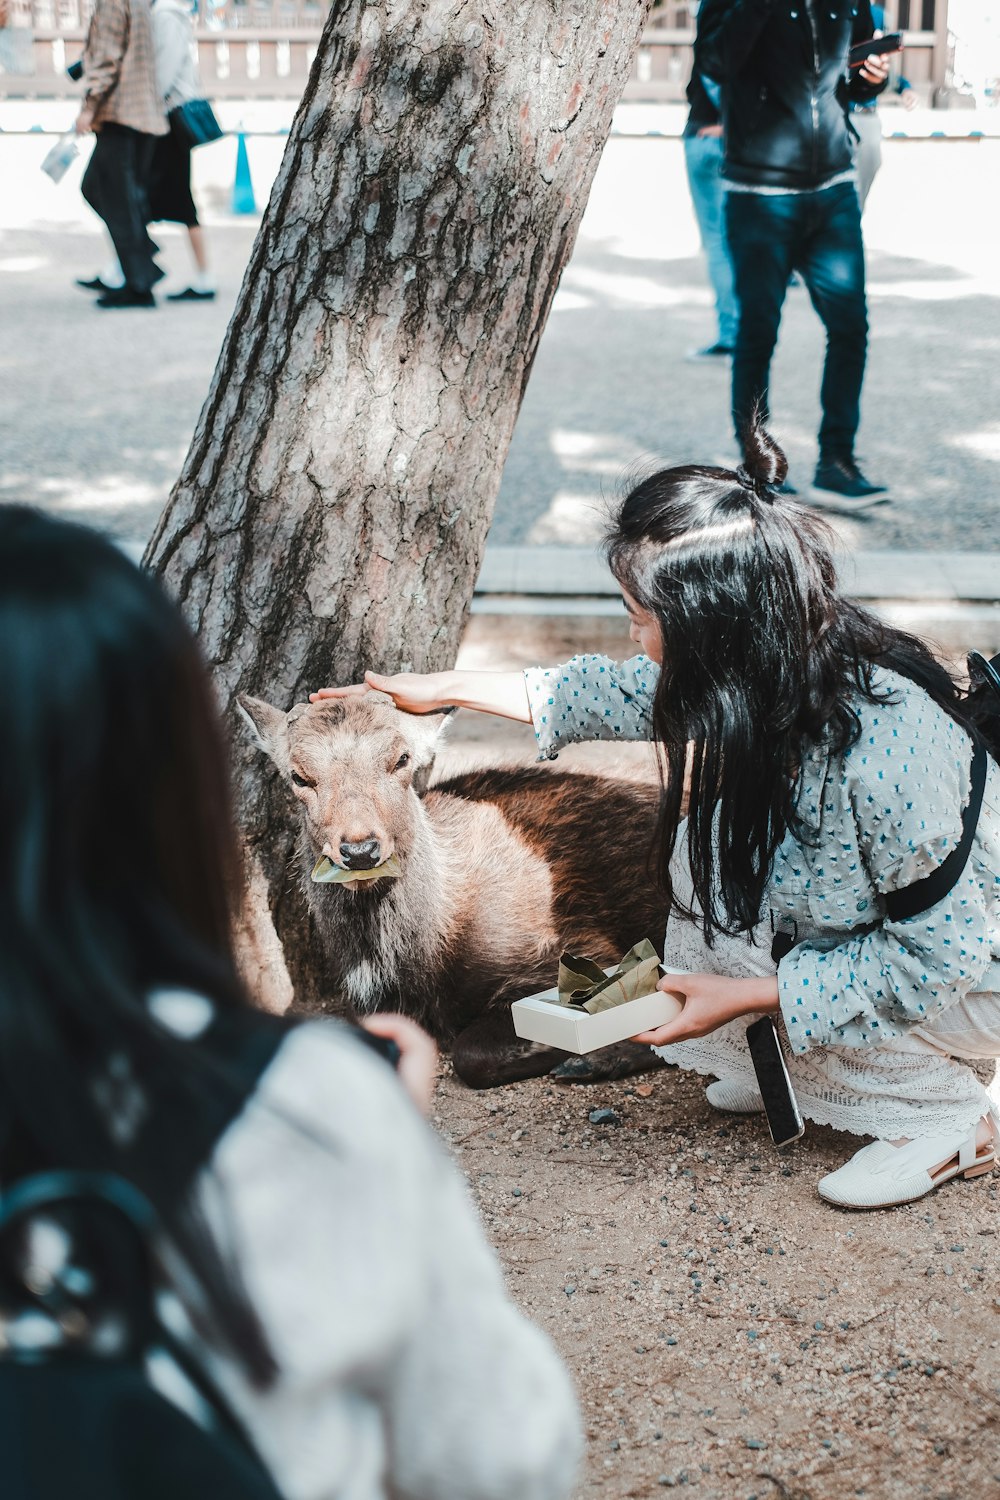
(367, 981)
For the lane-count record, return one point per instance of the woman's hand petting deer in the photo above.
(818, 768)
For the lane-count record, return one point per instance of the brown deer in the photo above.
(499, 871)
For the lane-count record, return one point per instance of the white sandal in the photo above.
(734, 1098)
(881, 1174)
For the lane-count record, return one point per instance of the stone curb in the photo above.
(545, 572)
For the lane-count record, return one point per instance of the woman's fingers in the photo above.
(650, 1038)
(349, 690)
(413, 692)
(677, 1030)
(372, 682)
(676, 984)
(418, 1057)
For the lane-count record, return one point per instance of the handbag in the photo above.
(79, 1413)
(194, 123)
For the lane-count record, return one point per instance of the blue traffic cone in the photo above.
(243, 198)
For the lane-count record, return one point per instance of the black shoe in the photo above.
(127, 296)
(190, 294)
(842, 477)
(95, 284)
(714, 354)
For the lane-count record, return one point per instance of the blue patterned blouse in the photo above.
(876, 818)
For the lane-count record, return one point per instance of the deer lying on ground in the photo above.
(483, 879)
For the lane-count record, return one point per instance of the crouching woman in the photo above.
(826, 760)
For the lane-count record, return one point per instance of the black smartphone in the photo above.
(877, 47)
(783, 1118)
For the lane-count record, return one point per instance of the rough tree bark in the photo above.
(333, 507)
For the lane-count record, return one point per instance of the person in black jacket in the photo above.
(792, 200)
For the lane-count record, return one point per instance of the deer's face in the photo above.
(351, 764)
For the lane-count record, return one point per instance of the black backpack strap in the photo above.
(913, 899)
(143, 1328)
(782, 941)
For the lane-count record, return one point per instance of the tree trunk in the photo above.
(332, 511)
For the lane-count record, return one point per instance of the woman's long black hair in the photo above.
(117, 866)
(763, 660)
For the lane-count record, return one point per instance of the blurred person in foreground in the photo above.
(703, 161)
(336, 1277)
(123, 107)
(792, 202)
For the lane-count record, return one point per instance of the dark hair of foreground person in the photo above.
(763, 658)
(117, 854)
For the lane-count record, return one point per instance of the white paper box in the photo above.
(540, 1018)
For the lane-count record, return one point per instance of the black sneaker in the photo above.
(843, 478)
(713, 355)
(191, 294)
(126, 296)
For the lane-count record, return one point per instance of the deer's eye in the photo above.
(300, 780)
(404, 760)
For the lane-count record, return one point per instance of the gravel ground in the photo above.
(728, 1332)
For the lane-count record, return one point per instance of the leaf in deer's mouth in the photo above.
(325, 872)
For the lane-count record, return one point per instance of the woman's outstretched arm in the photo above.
(503, 693)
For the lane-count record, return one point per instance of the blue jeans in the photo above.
(703, 159)
(818, 235)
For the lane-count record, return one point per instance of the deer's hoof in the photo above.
(623, 1060)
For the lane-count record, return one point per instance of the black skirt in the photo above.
(170, 183)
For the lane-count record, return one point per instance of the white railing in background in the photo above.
(265, 48)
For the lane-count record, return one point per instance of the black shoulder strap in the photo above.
(913, 899)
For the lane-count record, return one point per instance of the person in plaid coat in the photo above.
(123, 107)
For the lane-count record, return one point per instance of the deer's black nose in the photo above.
(361, 856)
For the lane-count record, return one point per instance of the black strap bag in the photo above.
(80, 1282)
(194, 123)
(79, 1415)
(80, 1289)
(912, 900)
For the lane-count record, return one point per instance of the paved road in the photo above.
(98, 409)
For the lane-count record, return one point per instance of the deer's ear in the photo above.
(268, 725)
(425, 731)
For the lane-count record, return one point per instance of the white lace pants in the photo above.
(912, 1086)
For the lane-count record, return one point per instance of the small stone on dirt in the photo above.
(604, 1117)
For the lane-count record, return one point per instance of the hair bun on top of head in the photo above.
(764, 465)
